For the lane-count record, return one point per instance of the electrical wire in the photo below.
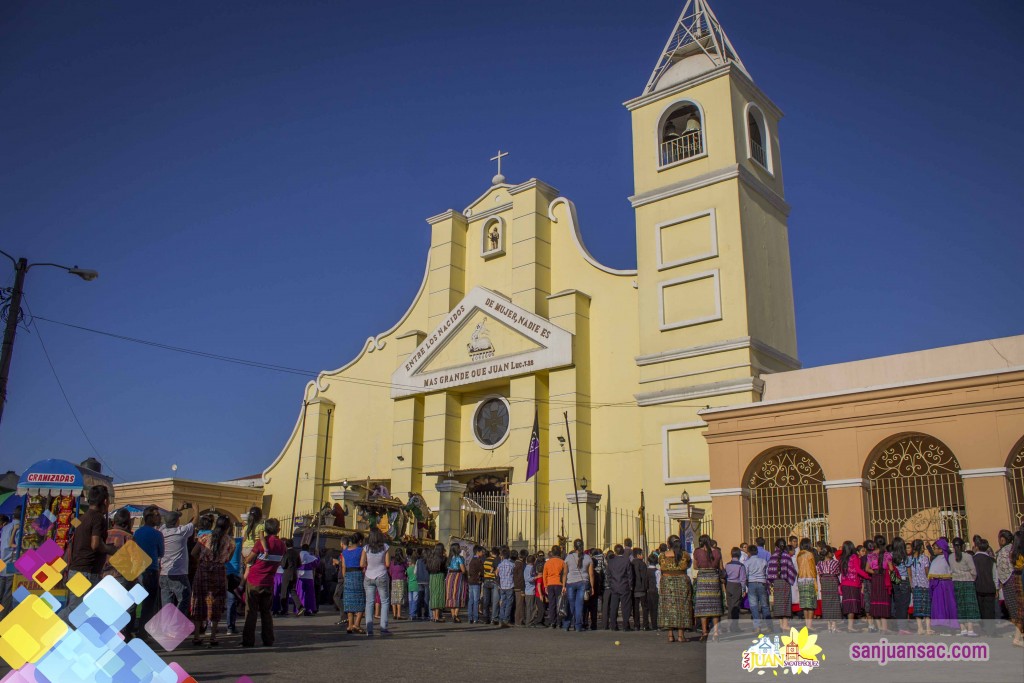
(63, 391)
(312, 374)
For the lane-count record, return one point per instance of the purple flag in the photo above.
(533, 455)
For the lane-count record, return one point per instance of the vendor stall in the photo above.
(54, 494)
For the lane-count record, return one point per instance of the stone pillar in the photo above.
(449, 520)
(847, 510)
(987, 498)
(587, 500)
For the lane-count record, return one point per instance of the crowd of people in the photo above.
(208, 574)
(878, 586)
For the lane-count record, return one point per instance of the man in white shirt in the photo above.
(174, 584)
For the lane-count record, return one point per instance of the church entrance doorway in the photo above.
(490, 491)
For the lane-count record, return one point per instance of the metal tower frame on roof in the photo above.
(696, 30)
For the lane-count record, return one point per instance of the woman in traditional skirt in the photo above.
(807, 580)
(675, 591)
(1009, 563)
(863, 551)
(707, 602)
(210, 586)
(901, 587)
(828, 578)
(961, 566)
(782, 576)
(436, 563)
(455, 583)
(851, 576)
(940, 582)
(354, 597)
(399, 580)
(918, 564)
(879, 565)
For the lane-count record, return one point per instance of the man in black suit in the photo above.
(620, 580)
(640, 588)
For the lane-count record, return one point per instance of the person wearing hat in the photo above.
(174, 584)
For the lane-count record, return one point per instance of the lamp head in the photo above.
(451, 474)
(561, 440)
(84, 273)
(583, 483)
(685, 497)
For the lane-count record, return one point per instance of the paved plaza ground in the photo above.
(312, 649)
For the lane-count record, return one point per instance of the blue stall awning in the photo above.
(61, 478)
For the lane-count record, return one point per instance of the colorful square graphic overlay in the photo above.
(29, 632)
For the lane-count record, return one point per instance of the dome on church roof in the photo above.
(685, 69)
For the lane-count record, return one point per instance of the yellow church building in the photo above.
(516, 320)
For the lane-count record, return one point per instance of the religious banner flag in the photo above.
(533, 454)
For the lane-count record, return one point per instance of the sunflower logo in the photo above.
(803, 644)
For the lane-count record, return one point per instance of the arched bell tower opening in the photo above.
(682, 133)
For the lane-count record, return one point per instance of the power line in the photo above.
(312, 374)
(64, 393)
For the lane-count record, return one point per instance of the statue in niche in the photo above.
(493, 237)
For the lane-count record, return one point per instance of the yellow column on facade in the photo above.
(442, 419)
(446, 283)
(847, 510)
(987, 497)
(569, 390)
(407, 431)
(523, 410)
(310, 493)
(530, 243)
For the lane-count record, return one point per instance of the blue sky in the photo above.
(252, 179)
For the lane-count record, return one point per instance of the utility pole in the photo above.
(13, 318)
(13, 311)
(572, 464)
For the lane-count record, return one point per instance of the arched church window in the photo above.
(757, 137)
(682, 134)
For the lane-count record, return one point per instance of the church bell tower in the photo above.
(713, 273)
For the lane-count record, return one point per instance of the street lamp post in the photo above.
(13, 312)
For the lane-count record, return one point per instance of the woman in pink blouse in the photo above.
(851, 577)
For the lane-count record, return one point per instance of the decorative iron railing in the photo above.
(757, 153)
(689, 144)
(787, 498)
(1016, 481)
(916, 491)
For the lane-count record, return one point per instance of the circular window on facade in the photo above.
(491, 422)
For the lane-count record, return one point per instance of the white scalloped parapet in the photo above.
(374, 343)
(574, 225)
